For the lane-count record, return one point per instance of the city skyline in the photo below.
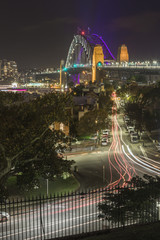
(39, 33)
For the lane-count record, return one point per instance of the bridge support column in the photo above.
(98, 57)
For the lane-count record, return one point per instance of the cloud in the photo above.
(141, 23)
(53, 23)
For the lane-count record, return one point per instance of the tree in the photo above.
(78, 90)
(135, 203)
(96, 119)
(92, 122)
(28, 147)
(144, 108)
(134, 111)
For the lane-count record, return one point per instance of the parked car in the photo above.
(128, 123)
(126, 118)
(104, 141)
(134, 137)
(75, 141)
(134, 134)
(106, 131)
(131, 129)
(4, 216)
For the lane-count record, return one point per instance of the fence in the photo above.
(72, 214)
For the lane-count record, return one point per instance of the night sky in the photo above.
(39, 33)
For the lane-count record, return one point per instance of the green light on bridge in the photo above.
(99, 64)
(65, 69)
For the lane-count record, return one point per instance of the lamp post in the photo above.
(103, 173)
(155, 63)
(61, 65)
(103, 170)
(47, 186)
(158, 206)
(96, 132)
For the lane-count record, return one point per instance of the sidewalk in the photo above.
(148, 144)
(86, 149)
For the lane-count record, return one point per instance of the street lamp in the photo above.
(47, 186)
(158, 206)
(96, 132)
(155, 63)
(103, 170)
(47, 182)
(61, 65)
(103, 173)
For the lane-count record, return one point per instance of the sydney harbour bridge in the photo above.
(82, 48)
(89, 52)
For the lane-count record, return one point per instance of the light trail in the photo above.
(122, 167)
(139, 160)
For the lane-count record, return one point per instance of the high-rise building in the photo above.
(0, 70)
(122, 55)
(8, 70)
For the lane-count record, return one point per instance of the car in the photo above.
(102, 216)
(134, 134)
(126, 118)
(4, 216)
(104, 141)
(134, 137)
(75, 141)
(105, 132)
(128, 123)
(131, 129)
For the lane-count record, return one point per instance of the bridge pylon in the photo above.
(98, 57)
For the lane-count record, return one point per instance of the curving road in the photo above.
(78, 213)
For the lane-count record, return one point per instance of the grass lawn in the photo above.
(59, 186)
(84, 138)
(145, 232)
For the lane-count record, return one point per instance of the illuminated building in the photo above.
(8, 70)
(123, 55)
(98, 60)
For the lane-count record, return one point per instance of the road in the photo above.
(117, 163)
(108, 166)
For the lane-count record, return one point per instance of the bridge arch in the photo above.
(88, 50)
(84, 45)
(79, 40)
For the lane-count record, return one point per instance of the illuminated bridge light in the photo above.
(99, 64)
(65, 69)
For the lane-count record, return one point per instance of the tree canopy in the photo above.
(97, 119)
(28, 147)
(136, 203)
